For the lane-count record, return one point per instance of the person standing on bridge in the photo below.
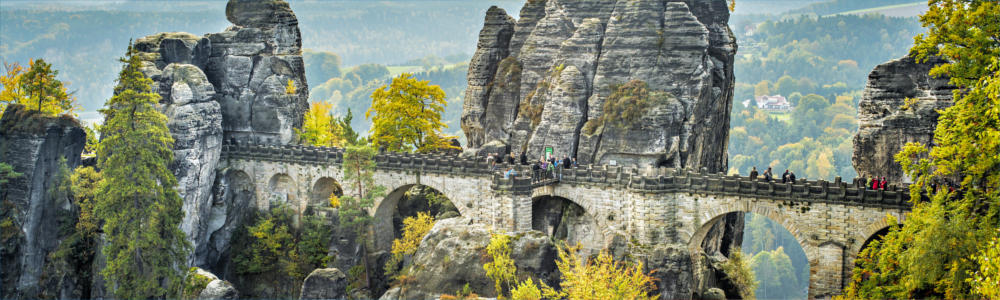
(768, 175)
(784, 177)
(791, 177)
(882, 184)
(524, 158)
(753, 173)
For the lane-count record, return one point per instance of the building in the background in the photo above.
(773, 103)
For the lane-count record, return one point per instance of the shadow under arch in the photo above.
(566, 220)
(281, 189)
(319, 194)
(234, 205)
(713, 235)
(406, 201)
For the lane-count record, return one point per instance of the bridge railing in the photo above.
(658, 180)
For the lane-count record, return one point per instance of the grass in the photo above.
(781, 116)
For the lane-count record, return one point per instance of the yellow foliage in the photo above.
(738, 270)
(406, 116)
(414, 230)
(502, 269)
(599, 278)
(319, 127)
(527, 290)
(36, 88)
(732, 5)
(290, 87)
(334, 200)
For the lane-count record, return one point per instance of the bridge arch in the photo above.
(715, 214)
(281, 189)
(562, 218)
(387, 216)
(319, 194)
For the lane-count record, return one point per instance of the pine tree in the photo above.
(359, 169)
(141, 210)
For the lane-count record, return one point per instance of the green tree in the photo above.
(933, 255)
(739, 272)
(44, 91)
(348, 135)
(776, 276)
(762, 88)
(406, 116)
(359, 169)
(141, 210)
(75, 254)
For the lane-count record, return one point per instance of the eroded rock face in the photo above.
(232, 84)
(884, 128)
(570, 56)
(451, 256)
(34, 146)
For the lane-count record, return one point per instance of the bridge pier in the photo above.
(827, 271)
(514, 198)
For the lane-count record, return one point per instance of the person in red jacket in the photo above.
(881, 184)
(875, 183)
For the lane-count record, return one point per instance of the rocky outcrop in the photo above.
(325, 284)
(452, 253)
(566, 58)
(245, 82)
(216, 289)
(34, 145)
(884, 127)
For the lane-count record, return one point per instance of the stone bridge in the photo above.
(831, 220)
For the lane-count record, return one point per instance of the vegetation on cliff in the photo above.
(137, 200)
(37, 88)
(941, 249)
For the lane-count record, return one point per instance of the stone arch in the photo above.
(321, 190)
(563, 218)
(714, 214)
(870, 233)
(386, 208)
(281, 189)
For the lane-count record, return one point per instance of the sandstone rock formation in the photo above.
(543, 81)
(328, 283)
(450, 256)
(216, 289)
(34, 145)
(885, 127)
(232, 84)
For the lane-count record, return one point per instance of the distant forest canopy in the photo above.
(841, 6)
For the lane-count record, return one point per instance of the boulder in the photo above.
(328, 283)
(453, 253)
(216, 288)
(683, 50)
(34, 145)
(884, 128)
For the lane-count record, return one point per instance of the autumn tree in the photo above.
(406, 116)
(138, 202)
(360, 194)
(36, 87)
(414, 230)
(320, 128)
(935, 253)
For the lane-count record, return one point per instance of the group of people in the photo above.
(787, 177)
(877, 184)
(541, 169)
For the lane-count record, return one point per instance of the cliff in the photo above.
(227, 85)
(34, 146)
(884, 127)
(564, 75)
